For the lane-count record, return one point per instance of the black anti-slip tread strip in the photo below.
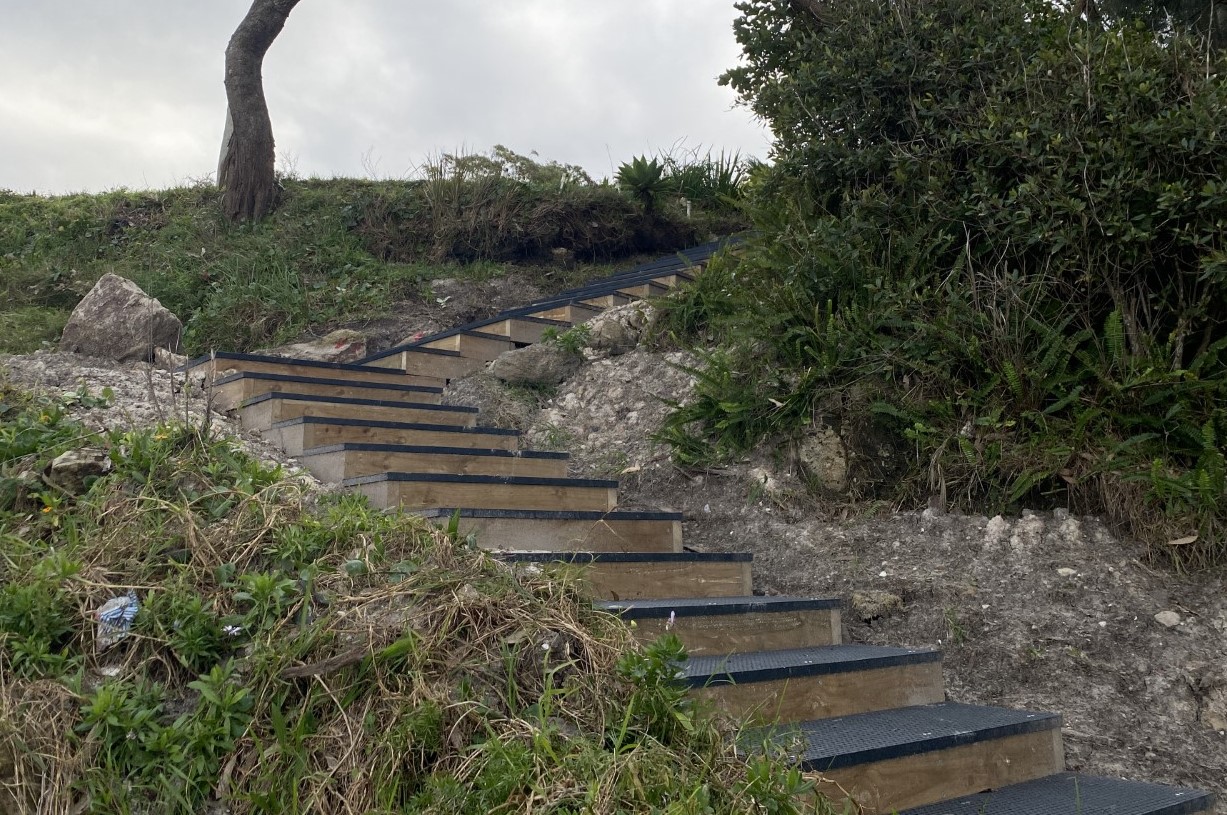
(594, 516)
(768, 666)
(264, 376)
(351, 400)
(452, 478)
(313, 363)
(1073, 794)
(715, 606)
(372, 447)
(845, 741)
(627, 557)
(386, 425)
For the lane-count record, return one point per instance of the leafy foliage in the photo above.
(992, 233)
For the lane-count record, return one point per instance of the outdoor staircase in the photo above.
(869, 722)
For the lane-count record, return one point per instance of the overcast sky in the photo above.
(98, 94)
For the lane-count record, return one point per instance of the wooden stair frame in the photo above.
(863, 721)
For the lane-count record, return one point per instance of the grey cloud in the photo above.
(129, 93)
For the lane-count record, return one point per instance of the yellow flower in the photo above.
(46, 509)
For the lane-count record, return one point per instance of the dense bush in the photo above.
(999, 233)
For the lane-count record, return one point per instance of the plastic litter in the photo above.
(115, 619)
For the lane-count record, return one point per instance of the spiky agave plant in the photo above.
(644, 180)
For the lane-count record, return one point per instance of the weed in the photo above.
(294, 651)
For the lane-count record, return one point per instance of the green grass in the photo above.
(300, 653)
(335, 250)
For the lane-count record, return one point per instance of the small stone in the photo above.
(75, 470)
(1167, 619)
(1065, 571)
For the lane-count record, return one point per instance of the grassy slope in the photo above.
(298, 653)
(335, 250)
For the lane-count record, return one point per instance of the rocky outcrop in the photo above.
(540, 365)
(74, 470)
(342, 345)
(618, 330)
(118, 321)
(823, 459)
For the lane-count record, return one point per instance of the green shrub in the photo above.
(995, 234)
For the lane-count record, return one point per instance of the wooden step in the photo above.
(431, 490)
(304, 432)
(634, 575)
(433, 362)
(572, 313)
(798, 684)
(471, 344)
(610, 300)
(730, 625)
(1074, 794)
(544, 530)
(229, 392)
(524, 330)
(337, 462)
(908, 757)
(646, 289)
(212, 366)
(262, 412)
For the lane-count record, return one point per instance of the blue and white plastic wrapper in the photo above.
(115, 619)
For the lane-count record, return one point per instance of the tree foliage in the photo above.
(1010, 220)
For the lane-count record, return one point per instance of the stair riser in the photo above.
(520, 331)
(294, 439)
(340, 465)
(819, 697)
(218, 368)
(741, 633)
(641, 581)
(232, 394)
(265, 414)
(884, 787)
(570, 313)
(438, 366)
(578, 536)
(643, 290)
(483, 348)
(608, 300)
(427, 495)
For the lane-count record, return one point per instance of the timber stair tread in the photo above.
(553, 515)
(459, 478)
(390, 425)
(627, 557)
(712, 606)
(1075, 794)
(842, 741)
(264, 376)
(291, 396)
(794, 663)
(348, 446)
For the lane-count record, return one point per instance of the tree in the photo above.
(245, 172)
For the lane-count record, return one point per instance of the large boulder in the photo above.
(342, 345)
(540, 365)
(118, 321)
(618, 330)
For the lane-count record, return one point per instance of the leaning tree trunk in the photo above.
(245, 173)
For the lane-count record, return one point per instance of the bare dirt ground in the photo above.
(1043, 611)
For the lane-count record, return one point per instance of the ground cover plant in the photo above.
(300, 652)
(990, 250)
(335, 250)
